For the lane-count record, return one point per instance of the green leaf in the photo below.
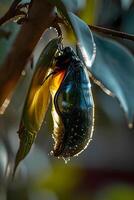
(85, 40)
(37, 101)
(113, 70)
(82, 32)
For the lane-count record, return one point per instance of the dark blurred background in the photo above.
(105, 170)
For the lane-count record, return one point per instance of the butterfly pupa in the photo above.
(72, 106)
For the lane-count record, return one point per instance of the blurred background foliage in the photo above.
(106, 169)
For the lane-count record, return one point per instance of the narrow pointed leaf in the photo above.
(37, 101)
(113, 70)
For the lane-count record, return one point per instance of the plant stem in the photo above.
(110, 32)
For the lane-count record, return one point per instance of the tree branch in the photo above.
(40, 18)
(105, 31)
(110, 32)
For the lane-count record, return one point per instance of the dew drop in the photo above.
(66, 160)
(51, 153)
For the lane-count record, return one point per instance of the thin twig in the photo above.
(110, 32)
(103, 30)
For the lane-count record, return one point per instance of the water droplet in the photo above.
(66, 159)
(51, 153)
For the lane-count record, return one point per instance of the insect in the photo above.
(72, 105)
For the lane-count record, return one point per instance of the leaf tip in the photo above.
(15, 168)
(26, 140)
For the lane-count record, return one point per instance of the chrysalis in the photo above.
(72, 106)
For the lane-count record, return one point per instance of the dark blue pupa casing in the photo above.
(74, 106)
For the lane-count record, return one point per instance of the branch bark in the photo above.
(111, 32)
(40, 18)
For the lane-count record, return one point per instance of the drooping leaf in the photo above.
(85, 39)
(113, 70)
(37, 101)
(83, 34)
